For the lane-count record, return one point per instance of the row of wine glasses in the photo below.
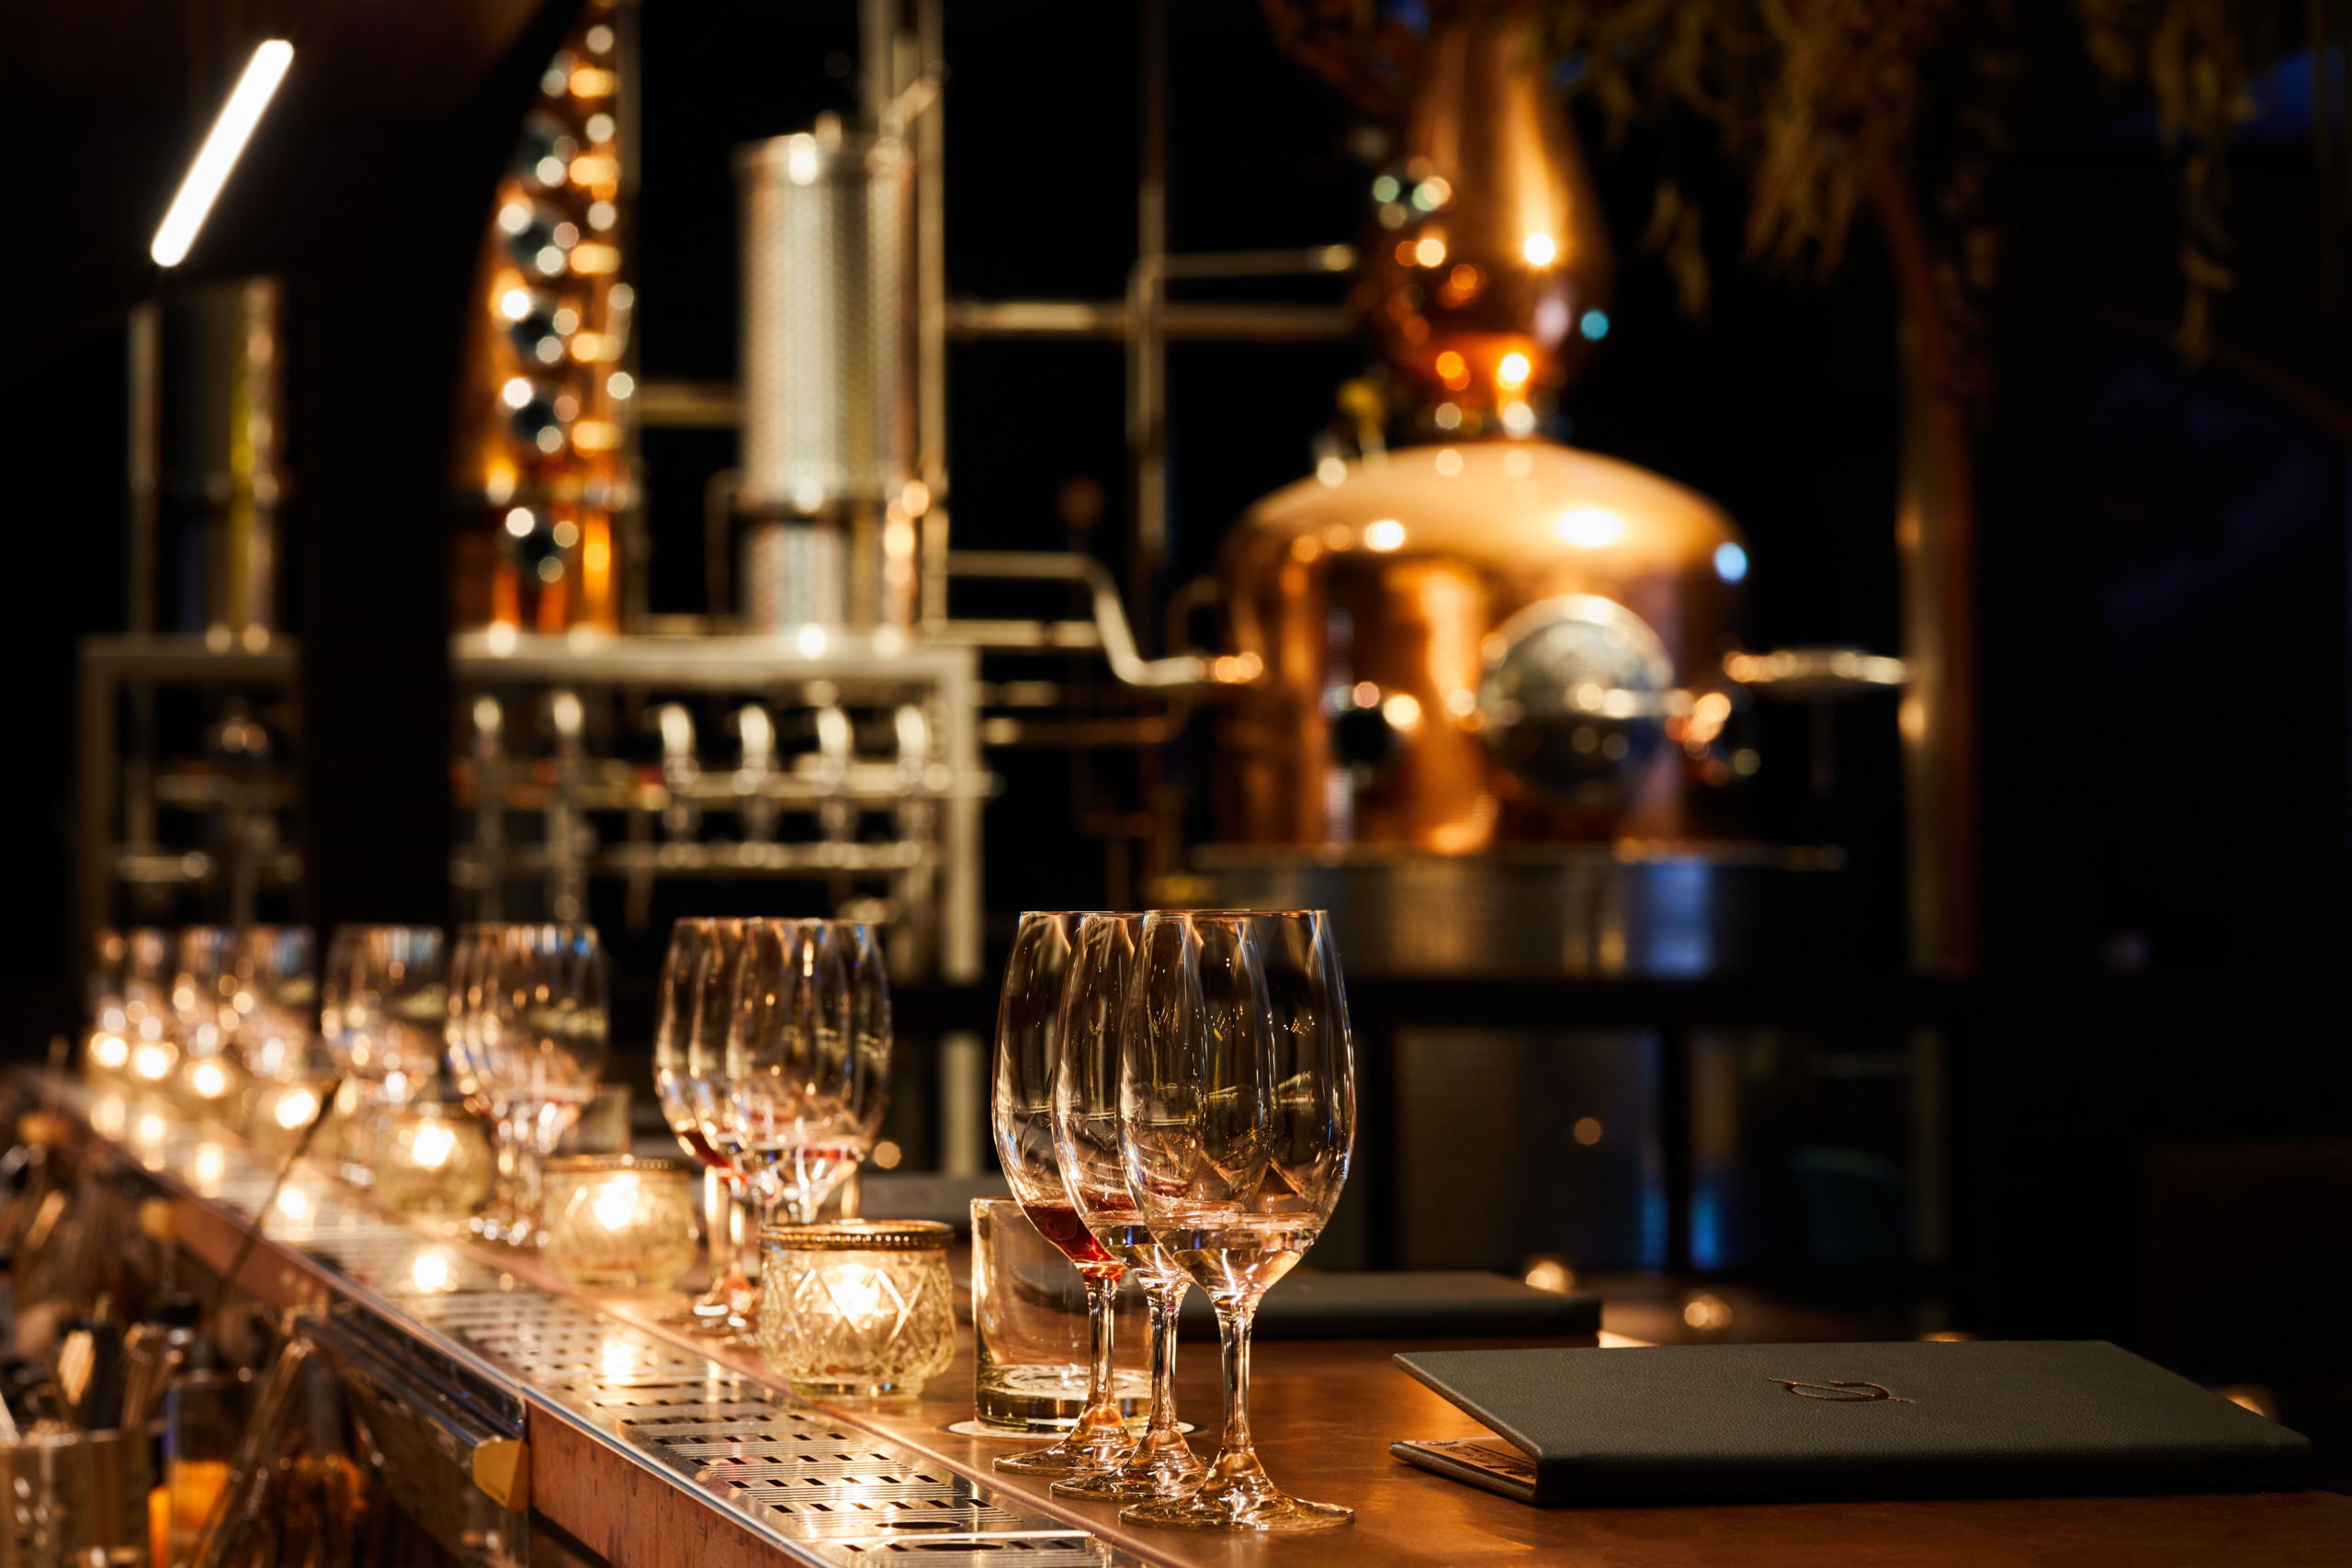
(772, 1058)
(185, 1012)
(1175, 1094)
(517, 1012)
(528, 1034)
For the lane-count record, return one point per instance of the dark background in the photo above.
(2163, 670)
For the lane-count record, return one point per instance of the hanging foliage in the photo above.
(1816, 96)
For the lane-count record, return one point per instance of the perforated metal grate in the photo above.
(822, 1490)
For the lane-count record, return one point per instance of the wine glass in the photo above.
(204, 967)
(382, 1003)
(147, 1013)
(473, 988)
(271, 988)
(697, 991)
(1020, 1112)
(1236, 1115)
(542, 1041)
(478, 962)
(801, 1093)
(203, 978)
(1095, 1002)
(870, 1037)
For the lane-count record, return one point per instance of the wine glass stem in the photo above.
(1236, 1455)
(528, 1169)
(1164, 1301)
(717, 1210)
(1101, 1302)
(510, 1144)
(744, 1231)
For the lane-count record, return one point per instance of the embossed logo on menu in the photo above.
(1841, 1393)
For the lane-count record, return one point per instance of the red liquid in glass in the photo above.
(699, 1146)
(1059, 1224)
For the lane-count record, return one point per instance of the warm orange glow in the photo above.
(1539, 250)
(1452, 369)
(1431, 251)
(597, 171)
(1512, 371)
(588, 81)
(596, 571)
(555, 607)
(594, 260)
(596, 436)
(505, 595)
(1708, 716)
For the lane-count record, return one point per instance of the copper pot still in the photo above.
(1482, 639)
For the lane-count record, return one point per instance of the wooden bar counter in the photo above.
(592, 1372)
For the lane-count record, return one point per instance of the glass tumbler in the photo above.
(1029, 1329)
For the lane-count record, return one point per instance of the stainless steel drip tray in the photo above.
(817, 1487)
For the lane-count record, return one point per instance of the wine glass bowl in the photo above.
(270, 989)
(383, 1004)
(806, 1079)
(1237, 1118)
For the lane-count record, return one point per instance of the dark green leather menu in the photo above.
(1759, 1423)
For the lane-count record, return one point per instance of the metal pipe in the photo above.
(1158, 321)
(1147, 367)
(717, 510)
(877, 26)
(146, 344)
(931, 316)
(1110, 617)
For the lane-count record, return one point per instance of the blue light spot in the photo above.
(1594, 324)
(1706, 1231)
(1731, 563)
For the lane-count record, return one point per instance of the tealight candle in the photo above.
(857, 1309)
(430, 1160)
(617, 1222)
(281, 1112)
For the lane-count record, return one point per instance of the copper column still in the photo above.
(1491, 660)
(542, 453)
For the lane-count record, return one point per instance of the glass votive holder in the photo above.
(428, 1158)
(280, 1114)
(615, 1222)
(212, 1088)
(857, 1309)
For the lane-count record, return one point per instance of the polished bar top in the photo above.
(655, 1449)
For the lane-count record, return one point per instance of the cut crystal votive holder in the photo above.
(857, 1309)
(616, 1222)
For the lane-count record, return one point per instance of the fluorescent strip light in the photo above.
(210, 170)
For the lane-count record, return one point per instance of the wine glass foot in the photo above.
(1232, 1507)
(1066, 1458)
(1131, 1484)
